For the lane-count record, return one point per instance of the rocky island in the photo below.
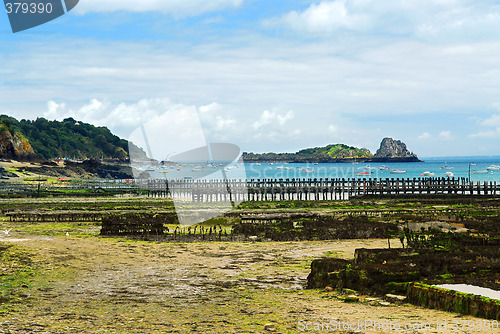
(390, 151)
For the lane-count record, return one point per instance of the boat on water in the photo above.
(367, 167)
(383, 167)
(397, 171)
(480, 171)
(493, 167)
(446, 166)
(363, 174)
(284, 168)
(427, 173)
(449, 174)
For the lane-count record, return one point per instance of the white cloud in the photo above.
(491, 122)
(273, 118)
(487, 134)
(325, 17)
(333, 128)
(122, 119)
(54, 110)
(179, 122)
(180, 8)
(223, 123)
(424, 136)
(211, 108)
(428, 19)
(446, 135)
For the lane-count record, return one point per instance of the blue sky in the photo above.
(269, 75)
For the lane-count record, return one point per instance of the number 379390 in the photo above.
(28, 8)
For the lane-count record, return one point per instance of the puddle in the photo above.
(475, 290)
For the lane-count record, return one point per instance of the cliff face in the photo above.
(394, 149)
(14, 146)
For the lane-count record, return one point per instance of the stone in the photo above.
(396, 298)
(270, 327)
(351, 299)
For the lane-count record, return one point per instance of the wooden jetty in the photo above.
(269, 189)
(326, 189)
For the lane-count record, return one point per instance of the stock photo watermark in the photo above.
(170, 153)
(26, 14)
(377, 325)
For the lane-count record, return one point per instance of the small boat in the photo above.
(446, 166)
(397, 171)
(150, 169)
(427, 173)
(367, 167)
(383, 167)
(493, 167)
(284, 168)
(363, 173)
(197, 169)
(480, 171)
(449, 174)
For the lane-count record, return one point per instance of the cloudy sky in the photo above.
(269, 75)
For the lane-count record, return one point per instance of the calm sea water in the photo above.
(458, 166)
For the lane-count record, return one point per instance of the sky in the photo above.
(269, 76)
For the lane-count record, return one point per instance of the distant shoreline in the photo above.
(359, 160)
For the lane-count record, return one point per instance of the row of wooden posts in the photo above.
(277, 190)
(315, 189)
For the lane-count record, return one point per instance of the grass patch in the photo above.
(17, 272)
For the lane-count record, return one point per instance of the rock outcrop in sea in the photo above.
(391, 149)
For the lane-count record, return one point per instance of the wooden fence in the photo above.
(325, 189)
(268, 190)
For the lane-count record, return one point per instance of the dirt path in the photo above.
(96, 285)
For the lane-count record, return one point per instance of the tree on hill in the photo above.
(69, 138)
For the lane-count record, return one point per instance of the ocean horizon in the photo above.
(475, 168)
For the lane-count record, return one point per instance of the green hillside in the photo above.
(330, 153)
(69, 138)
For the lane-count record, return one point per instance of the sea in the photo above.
(476, 168)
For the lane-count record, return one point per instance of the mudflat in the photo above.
(114, 285)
